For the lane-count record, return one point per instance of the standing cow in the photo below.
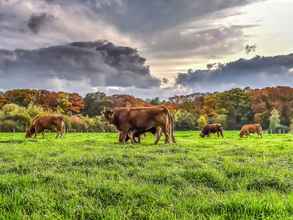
(130, 120)
(212, 128)
(46, 122)
(248, 129)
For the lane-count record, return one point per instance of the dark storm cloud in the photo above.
(163, 30)
(255, 72)
(37, 21)
(94, 63)
(137, 19)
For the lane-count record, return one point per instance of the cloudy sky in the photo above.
(145, 48)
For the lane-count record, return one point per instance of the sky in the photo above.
(145, 48)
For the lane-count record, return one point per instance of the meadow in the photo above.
(89, 176)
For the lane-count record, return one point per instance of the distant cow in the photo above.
(46, 122)
(130, 120)
(212, 128)
(248, 129)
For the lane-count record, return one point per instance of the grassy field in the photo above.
(89, 176)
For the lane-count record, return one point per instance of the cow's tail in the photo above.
(170, 124)
(62, 125)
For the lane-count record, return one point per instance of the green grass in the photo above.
(89, 176)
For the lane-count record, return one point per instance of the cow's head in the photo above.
(30, 131)
(241, 134)
(109, 115)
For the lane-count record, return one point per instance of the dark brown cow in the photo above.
(248, 129)
(46, 122)
(212, 128)
(130, 120)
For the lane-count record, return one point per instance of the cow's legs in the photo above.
(221, 132)
(131, 135)
(36, 131)
(58, 131)
(171, 134)
(120, 137)
(124, 136)
(167, 136)
(138, 139)
(158, 135)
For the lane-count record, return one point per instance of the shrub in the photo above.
(202, 121)
(185, 120)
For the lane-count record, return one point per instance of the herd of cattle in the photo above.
(133, 122)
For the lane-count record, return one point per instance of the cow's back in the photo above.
(251, 128)
(139, 117)
(46, 121)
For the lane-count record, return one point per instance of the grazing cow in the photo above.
(136, 135)
(130, 120)
(46, 122)
(212, 128)
(248, 129)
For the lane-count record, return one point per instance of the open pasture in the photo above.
(89, 176)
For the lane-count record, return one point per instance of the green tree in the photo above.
(237, 105)
(154, 101)
(275, 119)
(95, 103)
(221, 119)
(184, 120)
(14, 118)
(291, 126)
(202, 121)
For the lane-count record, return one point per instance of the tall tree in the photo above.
(237, 105)
(95, 103)
(275, 119)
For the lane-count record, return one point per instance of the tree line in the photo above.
(271, 107)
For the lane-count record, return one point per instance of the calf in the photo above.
(136, 134)
(248, 129)
(212, 128)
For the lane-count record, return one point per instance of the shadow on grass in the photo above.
(12, 141)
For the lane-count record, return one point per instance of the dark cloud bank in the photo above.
(256, 72)
(97, 64)
(101, 64)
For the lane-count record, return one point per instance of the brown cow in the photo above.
(212, 128)
(129, 120)
(248, 129)
(44, 122)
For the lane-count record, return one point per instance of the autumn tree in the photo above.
(3, 100)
